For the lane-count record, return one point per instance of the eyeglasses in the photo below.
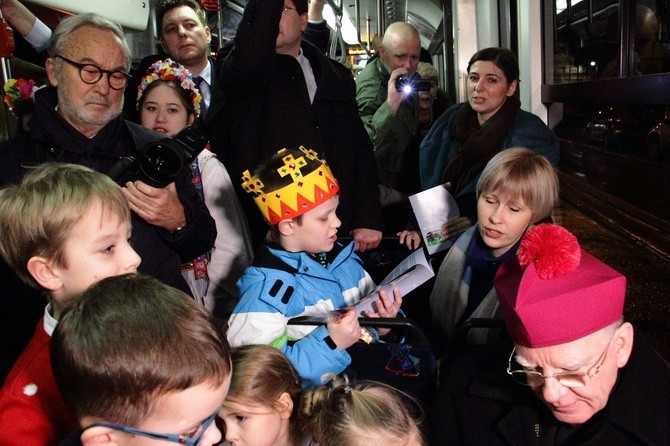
(532, 378)
(193, 440)
(288, 8)
(91, 74)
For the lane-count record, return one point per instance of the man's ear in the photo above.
(164, 46)
(209, 34)
(286, 226)
(623, 343)
(381, 51)
(50, 66)
(44, 273)
(98, 436)
(304, 18)
(285, 406)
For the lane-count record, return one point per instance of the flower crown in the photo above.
(171, 71)
(19, 91)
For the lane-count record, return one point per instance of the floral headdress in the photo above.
(19, 93)
(171, 71)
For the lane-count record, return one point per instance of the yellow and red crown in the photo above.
(302, 194)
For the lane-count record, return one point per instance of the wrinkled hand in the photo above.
(366, 239)
(345, 331)
(157, 206)
(455, 227)
(411, 239)
(384, 308)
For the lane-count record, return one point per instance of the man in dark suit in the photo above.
(185, 37)
(281, 91)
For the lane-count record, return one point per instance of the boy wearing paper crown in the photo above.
(577, 374)
(301, 269)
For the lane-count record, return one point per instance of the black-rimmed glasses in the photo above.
(193, 440)
(91, 74)
(532, 378)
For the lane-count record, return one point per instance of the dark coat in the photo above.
(481, 405)
(267, 108)
(159, 249)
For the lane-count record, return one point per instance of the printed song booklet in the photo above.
(432, 208)
(409, 274)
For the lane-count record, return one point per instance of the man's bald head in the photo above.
(400, 47)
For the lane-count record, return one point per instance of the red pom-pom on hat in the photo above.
(553, 250)
(553, 292)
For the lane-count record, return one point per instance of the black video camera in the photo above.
(161, 161)
(412, 83)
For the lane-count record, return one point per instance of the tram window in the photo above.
(588, 40)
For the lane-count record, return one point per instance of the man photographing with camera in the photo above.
(78, 120)
(387, 100)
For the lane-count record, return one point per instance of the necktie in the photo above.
(203, 106)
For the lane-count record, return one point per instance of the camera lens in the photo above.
(160, 163)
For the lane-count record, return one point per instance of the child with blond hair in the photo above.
(64, 227)
(302, 270)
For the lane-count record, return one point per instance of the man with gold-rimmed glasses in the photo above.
(577, 374)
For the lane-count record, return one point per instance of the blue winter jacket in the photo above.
(281, 285)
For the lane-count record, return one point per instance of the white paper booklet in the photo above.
(432, 208)
(409, 274)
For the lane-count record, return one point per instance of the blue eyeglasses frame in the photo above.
(181, 439)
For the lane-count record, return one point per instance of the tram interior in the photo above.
(605, 87)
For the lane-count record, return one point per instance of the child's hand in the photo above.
(411, 239)
(345, 331)
(384, 308)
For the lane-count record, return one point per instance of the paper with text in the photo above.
(409, 274)
(432, 208)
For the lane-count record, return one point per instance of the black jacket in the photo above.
(51, 138)
(267, 108)
(480, 404)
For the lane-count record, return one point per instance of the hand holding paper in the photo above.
(454, 227)
(409, 274)
(385, 307)
(432, 208)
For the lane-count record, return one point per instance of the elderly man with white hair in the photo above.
(577, 373)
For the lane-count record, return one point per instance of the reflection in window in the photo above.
(588, 40)
(562, 5)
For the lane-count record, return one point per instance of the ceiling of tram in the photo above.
(363, 17)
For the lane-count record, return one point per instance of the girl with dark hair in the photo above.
(168, 101)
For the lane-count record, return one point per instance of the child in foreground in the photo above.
(139, 361)
(302, 270)
(266, 406)
(64, 227)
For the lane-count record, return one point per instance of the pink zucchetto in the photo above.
(554, 292)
